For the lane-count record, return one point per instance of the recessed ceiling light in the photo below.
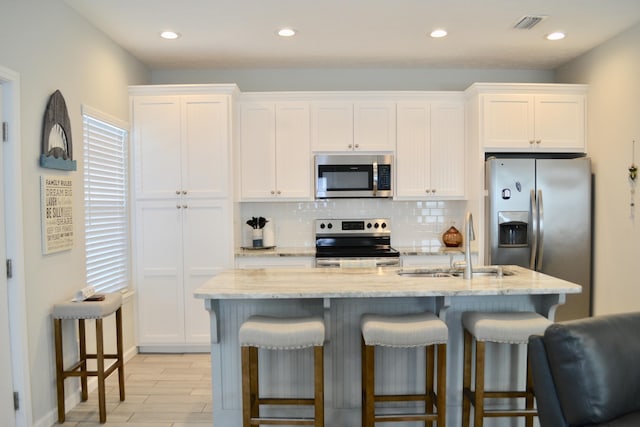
(169, 35)
(436, 34)
(286, 32)
(556, 36)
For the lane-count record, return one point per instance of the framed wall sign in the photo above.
(56, 196)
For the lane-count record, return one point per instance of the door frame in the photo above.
(17, 298)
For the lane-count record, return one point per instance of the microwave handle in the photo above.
(375, 178)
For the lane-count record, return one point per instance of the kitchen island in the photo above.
(341, 296)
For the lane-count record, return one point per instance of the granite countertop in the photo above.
(311, 251)
(372, 282)
(276, 251)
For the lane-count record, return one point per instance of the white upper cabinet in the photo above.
(552, 120)
(181, 146)
(353, 126)
(430, 152)
(274, 151)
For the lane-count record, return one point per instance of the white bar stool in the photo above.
(274, 333)
(503, 328)
(82, 311)
(404, 331)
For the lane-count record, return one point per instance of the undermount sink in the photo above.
(489, 270)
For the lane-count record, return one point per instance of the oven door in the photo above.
(366, 262)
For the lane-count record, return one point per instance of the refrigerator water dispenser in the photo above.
(513, 228)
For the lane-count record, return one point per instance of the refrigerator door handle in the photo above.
(540, 230)
(534, 230)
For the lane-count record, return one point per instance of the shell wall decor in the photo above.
(57, 147)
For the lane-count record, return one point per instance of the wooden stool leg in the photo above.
(369, 404)
(529, 400)
(120, 358)
(318, 360)
(429, 391)
(57, 330)
(478, 412)
(82, 337)
(100, 371)
(254, 385)
(442, 385)
(246, 392)
(466, 381)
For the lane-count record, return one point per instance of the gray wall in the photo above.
(51, 47)
(290, 79)
(612, 72)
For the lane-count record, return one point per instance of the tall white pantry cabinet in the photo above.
(182, 215)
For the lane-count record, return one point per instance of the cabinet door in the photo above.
(430, 150)
(412, 150)
(156, 146)
(374, 126)
(507, 121)
(332, 126)
(207, 251)
(160, 293)
(560, 122)
(293, 154)
(447, 157)
(205, 146)
(257, 151)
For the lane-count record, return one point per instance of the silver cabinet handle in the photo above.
(184, 191)
(357, 145)
(185, 206)
(177, 206)
(178, 192)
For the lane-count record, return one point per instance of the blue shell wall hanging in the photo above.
(57, 147)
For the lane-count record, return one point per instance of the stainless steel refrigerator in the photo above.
(539, 216)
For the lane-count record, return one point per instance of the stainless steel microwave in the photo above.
(353, 176)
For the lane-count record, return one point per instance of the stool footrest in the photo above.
(509, 412)
(281, 421)
(285, 401)
(405, 417)
(401, 397)
(498, 394)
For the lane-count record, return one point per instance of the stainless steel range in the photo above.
(355, 243)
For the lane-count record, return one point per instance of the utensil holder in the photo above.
(256, 237)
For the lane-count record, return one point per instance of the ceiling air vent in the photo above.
(527, 22)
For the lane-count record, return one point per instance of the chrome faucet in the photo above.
(468, 237)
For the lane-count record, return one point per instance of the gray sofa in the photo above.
(587, 372)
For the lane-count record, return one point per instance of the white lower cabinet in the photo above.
(430, 150)
(273, 261)
(179, 246)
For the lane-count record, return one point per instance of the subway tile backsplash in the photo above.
(415, 224)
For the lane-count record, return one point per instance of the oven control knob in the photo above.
(368, 225)
(384, 225)
(329, 226)
(322, 226)
(377, 225)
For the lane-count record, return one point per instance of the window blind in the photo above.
(105, 203)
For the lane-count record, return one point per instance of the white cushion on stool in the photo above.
(88, 309)
(282, 333)
(407, 330)
(504, 327)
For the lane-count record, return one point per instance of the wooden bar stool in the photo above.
(82, 311)
(275, 333)
(504, 328)
(411, 330)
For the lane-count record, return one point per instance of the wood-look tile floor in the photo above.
(161, 390)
